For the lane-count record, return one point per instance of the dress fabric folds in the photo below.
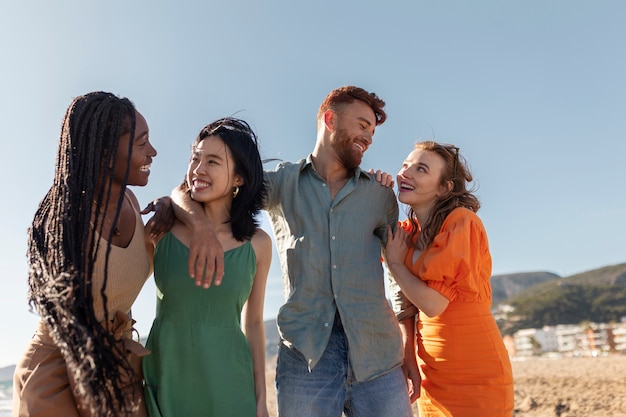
(201, 362)
(465, 365)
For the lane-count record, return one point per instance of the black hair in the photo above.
(63, 245)
(244, 148)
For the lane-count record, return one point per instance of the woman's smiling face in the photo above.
(419, 179)
(211, 172)
(140, 158)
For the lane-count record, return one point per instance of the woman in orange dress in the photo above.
(440, 263)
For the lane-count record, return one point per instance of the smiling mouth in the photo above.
(145, 168)
(197, 184)
(407, 187)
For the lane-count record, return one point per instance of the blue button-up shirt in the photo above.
(330, 256)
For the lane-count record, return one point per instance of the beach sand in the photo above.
(565, 387)
(571, 387)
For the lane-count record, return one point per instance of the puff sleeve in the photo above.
(457, 264)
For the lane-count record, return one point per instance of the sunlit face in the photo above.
(141, 155)
(419, 179)
(211, 172)
(353, 132)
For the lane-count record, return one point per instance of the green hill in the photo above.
(506, 286)
(597, 296)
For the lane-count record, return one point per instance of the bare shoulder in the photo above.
(261, 242)
(261, 237)
(133, 199)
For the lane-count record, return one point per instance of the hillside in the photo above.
(507, 285)
(544, 298)
(596, 296)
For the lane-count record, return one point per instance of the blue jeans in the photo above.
(330, 388)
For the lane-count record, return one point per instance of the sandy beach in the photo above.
(565, 387)
(571, 387)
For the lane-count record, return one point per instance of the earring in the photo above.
(236, 192)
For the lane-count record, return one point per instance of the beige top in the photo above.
(128, 270)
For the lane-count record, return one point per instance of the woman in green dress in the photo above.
(208, 344)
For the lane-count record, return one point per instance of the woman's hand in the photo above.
(396, 247)
(383, 178)
(163, 218)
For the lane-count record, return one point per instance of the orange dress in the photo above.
(465, 367)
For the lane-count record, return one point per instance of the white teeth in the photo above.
(145, 168)
(406, 186)
(200, 184)
(359, 146)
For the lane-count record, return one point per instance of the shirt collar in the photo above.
(358, 172)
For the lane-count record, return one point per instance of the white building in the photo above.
(570, 339)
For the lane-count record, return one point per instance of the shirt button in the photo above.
(325, 324)
(334, 266)
(333, 237)
(323, 184)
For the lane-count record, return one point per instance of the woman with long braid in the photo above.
(88, 262)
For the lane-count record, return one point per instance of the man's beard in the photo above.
(344, 147)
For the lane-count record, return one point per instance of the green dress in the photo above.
(201, 363)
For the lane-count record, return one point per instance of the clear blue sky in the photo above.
(533, 92)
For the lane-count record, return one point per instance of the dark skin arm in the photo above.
(163, 218)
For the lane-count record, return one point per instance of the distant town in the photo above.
(568, 340)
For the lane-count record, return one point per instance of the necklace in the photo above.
(116, 230)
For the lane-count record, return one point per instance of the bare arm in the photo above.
(428, 300)
(253, 325)
(206, 255)
(151, 241)
(150, 236)
(411, 371)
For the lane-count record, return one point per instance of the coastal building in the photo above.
(588, 339)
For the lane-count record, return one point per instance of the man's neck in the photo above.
(330, 168)
(332, 171)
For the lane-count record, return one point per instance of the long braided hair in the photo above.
(62, 249)
(456, 172)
